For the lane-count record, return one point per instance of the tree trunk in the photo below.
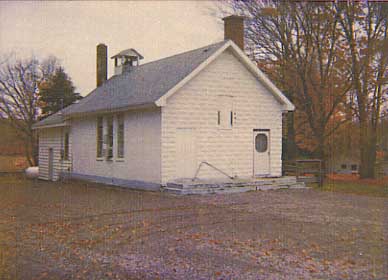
(291, 145)
(27, 152)
(372, 153)
(31, 150)
(320, 151)
(368, 141)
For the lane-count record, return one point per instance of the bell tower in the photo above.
(126, 60)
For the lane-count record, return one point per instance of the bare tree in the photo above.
(298, 45)
(19, 82)
(364, 26)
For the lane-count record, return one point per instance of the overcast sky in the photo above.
(71, 30)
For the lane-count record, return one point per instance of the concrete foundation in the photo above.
(198, 186)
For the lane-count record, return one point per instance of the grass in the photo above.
(359, 188)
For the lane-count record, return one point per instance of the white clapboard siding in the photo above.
(151, 150)
(195, 106)
(141, 148)
(52, 138)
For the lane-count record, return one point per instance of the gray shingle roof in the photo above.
(143, 85)
(54, 119)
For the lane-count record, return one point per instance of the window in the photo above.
(261, 142)
(65, 152)
(120, 136)
(354, 167)
(343, 166)
(225, 114)
(100, 140)
(109, 137)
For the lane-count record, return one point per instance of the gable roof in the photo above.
(54, 120)
(150, 84)
(144, 84)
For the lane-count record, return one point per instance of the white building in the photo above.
(153, 123)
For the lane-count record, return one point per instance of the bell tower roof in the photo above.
(130, 53)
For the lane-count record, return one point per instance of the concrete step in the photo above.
(230, 189)
(227, 185)
(208, 191)
(187, 184)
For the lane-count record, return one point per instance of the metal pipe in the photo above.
(212, 166)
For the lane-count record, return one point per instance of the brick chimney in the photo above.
(102, 64)
(234, 29)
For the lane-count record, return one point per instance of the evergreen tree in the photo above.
(56, 93)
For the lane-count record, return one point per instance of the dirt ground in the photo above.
(77, 230)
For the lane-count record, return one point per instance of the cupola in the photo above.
(126, 60)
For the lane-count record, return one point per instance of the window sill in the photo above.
(120, 159)
(108, 159)
(224, 128)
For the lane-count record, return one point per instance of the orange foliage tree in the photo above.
(298, 44)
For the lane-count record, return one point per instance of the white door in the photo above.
(261, 152)
(51, 164)
(186, 162)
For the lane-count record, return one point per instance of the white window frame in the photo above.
(100, 156)
(109, 138)
(110, 144)
(118, 117)
(65, 156)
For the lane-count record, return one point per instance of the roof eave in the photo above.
(115, 110)
(35, 127)
(283, 100)
(288, 107)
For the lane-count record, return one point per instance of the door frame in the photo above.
(255, 131)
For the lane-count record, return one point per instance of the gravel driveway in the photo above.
(76, 230)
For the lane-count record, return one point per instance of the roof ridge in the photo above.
(161, 59)
(186, 52)
(167, 71)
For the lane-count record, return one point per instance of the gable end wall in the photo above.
(196, 104)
